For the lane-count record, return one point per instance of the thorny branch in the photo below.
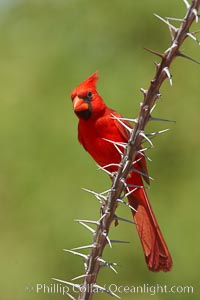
(94, 261)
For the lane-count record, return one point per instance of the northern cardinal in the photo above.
(96, 124)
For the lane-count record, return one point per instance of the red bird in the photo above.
(96, 124)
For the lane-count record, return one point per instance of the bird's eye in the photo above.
(89, 95)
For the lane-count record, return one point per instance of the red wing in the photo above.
(124, 132)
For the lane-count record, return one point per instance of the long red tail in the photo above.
(155, 249)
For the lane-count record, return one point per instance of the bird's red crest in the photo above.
(91, 80)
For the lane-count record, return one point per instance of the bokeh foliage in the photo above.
(47, 48)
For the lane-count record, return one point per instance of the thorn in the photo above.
(105, 290)
(70, 296)
(195, 13)
(107, 166)
(87, 221)
(158, 95)
(126, 204)
(104, 233)
(80, 276)
(102, 217)
(118, 150)
(110, 266)
(171, 34)
(144, 92)
(136, 161)
(144, 155)
(175, 19)
(160, 119)
(106, 192)
(174, 45)
(106, 171)
(106, 264)
(109, 241)
(146, 138)
(97, 195)
(122, 123)
(88, 227)
(193, 37)
(171, 31)
(119, 242)
(186, 3)
(153, 107)
(67, 283)
(122, 219)
(150, 137)
(141, 173)
(142, 150)
(166, 22)
(127, 119)
(148, 158)
(127, 162)
(77, 253)
(157, 65)
(123, 145)
(130, 192)
(154, 52)
(135, 186)
(83, 247)
(166, 70)
(196, 31)
(158, 132)
(85, 266)
(124, 183)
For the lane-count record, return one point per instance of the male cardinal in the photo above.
(96, 126)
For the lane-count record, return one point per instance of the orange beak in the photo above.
(79, 104)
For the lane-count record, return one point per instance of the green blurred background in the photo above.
(47, 48)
